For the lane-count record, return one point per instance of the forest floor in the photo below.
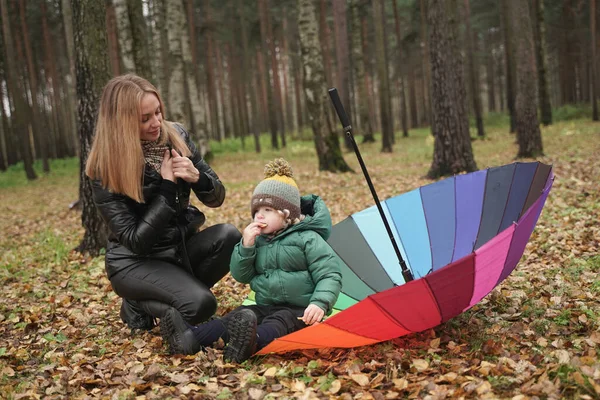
(537, 335)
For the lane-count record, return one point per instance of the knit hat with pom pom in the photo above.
(277, 190)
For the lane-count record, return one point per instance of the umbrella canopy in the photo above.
(460, 237)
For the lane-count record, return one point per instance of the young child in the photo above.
(285, 258)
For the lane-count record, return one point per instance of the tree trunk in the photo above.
(197, 116)
(426, 86)
(20, 125)
(124, 35)
(3, 144)
(593, 72)
(326, 141)
(33, 83)
(370, 95)
(452, 151)
(358, 67)
(262, 90)
(141, 53)
(113, 38)
(542, 64)
(401, 80)
(277, 98)
(510, 65)
(10, 137)
(246, 81)
(61, 120)
(342, 57)
(70, 81)
(271, 111)
(412, 94)
(385, 101)
(473, 71)
(529, 136)
(286, 72)
(489, 73)
(161, 39)
(92, 74)
(221, 106)
(210, 71)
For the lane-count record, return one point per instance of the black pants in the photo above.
(157, 285)
(276, 321)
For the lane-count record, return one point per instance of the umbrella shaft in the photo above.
(405, 271)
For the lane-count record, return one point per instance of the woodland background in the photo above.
(419, 78)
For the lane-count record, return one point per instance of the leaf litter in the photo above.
(537, 335)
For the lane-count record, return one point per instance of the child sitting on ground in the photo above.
(285, 258)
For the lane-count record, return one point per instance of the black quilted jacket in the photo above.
(154, 229)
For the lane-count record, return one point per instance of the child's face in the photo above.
(271, 217)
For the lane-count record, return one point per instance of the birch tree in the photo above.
(326, 141)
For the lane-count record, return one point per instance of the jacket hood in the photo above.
(317, 217)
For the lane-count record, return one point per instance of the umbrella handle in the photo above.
(339, 109)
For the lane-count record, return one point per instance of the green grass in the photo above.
(59, 168)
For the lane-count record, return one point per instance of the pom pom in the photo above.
(278, 167)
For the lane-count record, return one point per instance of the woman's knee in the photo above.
(229, 234)
(200, 307)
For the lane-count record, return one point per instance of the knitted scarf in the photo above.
(154, 152)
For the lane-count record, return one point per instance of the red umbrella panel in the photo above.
(460, 237)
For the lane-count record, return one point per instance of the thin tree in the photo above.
(425, 85)
(184, 100)
(529, 136)
(125, 36)
(473, 71)
(33, 85)
(141, 52)
(326, 141)
(507, 30)
(67, 16)
(271, 101)
(593, 73)
(385, 101)
(342, 57)
(452, 152)
(400, 62)
(20, 125)
(542, 65)
(91, 65)
(357, 8)
(246, 79)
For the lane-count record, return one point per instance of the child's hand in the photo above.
(312, 314)
(251, 232)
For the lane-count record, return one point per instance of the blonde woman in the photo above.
(143, 169)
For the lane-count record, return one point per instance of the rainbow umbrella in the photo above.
(460, 237)
(418, 259)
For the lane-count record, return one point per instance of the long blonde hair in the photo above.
(116, 156)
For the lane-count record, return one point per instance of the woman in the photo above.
(143, 169)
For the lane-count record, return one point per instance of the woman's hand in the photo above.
(166, 168)
(251, 232)
(184, 168)
(312, 314)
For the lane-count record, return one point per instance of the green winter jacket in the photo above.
(295, 267)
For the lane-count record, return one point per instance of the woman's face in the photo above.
(151, 117)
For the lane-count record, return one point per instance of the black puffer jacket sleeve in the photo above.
(137, 233)
(209, 189)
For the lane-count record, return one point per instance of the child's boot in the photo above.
(242, 336)
(177, 333)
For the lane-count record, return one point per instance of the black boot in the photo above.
(242, 337)
(134, 317)
(178, 334)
